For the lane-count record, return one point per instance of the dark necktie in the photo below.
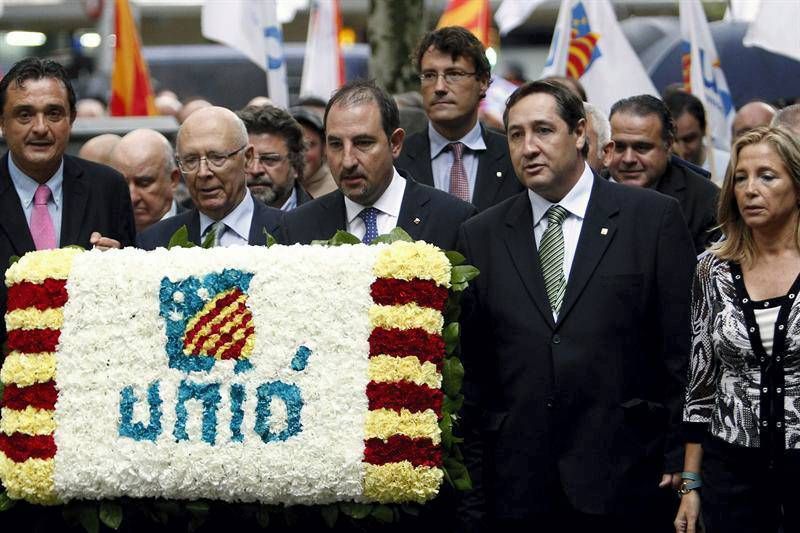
(459, 185)
(370, 217)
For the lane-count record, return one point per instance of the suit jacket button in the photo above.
(556, 339)
(549, 403)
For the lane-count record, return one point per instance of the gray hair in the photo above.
(600, 125)
(788, 117)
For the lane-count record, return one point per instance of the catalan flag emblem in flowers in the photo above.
(208, 319)
(583, 50)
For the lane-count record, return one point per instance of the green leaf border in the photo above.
(93, 516)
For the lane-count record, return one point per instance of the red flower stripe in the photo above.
(425, 293)
(241, 316)
(419, 452)
(33, 340)
(410, 342)
(39, 395)
(221, 304)
(235, 350)
(19, 447)
(398, 395)
(46, 295)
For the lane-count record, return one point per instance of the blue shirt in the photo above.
(442, 157)
(237, 223)
(26, 188)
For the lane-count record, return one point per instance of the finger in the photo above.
(96, 236)
(680, 525)
(666, 480)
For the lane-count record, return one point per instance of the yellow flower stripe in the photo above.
(384, 368)
(406, 316)
(31, 480)
(410, 260)
(401, 482)
(32, 318)
(383, 423)
(27, 369)
(39, 266)
(30, 421)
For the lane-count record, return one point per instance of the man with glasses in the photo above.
(277, 168)
(456, 153)
(213, 155)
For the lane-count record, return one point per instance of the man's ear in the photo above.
(608, 149)
(175, 178)
(396, 142)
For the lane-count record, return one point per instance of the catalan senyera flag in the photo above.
(131, 93)
(473, 15)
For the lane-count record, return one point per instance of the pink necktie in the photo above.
(44, 236)
(459, 186)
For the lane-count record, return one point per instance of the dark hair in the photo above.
(570, 83)
(33, 68)
(458, 42)
(680, 102)
(570, 107)
(311, 101)
(361, 91)
(276, 121)
(643, 105)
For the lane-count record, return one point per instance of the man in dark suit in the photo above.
(147, 161)
(213, 154)
(362, 137)
(48, 199)
(275, 174)
(643, 132)
(456, 153)
(575, 338)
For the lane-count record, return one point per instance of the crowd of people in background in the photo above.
(607, 366)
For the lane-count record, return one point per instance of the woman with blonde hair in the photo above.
(742, 410)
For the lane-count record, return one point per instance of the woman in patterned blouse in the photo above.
(742, 409)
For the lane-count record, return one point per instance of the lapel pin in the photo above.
(604, 231)
(499, 174)
(417, 221)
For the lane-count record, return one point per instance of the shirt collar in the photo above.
(173, 210)
(290, 202)
(575, 201)
(473, 140)
(238, 220)
(26, 186)
(389, 202)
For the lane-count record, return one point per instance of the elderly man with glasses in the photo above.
(213, 155)
(456, 153)
(276, 171)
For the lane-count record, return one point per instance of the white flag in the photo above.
(588, 45)
(323, 66)
(251, 26)
(513, 13)
(776, 28)
(706, 78)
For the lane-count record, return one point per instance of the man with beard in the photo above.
(277, 168)
(362, 137)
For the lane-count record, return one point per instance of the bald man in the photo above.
(788, 117)
(98, 149)
(146, 159)
(213, 155)
(751, 116)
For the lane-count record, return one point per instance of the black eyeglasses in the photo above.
(271, 160)
(451, 77)
(191, 163)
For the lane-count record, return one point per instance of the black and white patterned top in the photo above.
(736, 390)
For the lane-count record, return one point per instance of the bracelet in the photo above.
(691, 481)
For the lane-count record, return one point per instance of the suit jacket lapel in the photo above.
(75, 198)
(413, 210)
(597, 232)
(13, 220)
(487, 182)
(521, 246)
(333, 215)
(194, 227)
(419, 150)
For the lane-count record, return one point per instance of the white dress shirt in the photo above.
(442, 158)
(291, 202)
(26, 188)
(388, 206)
(575, 202)
(237, 223)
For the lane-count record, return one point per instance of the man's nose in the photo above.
(39, 123)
